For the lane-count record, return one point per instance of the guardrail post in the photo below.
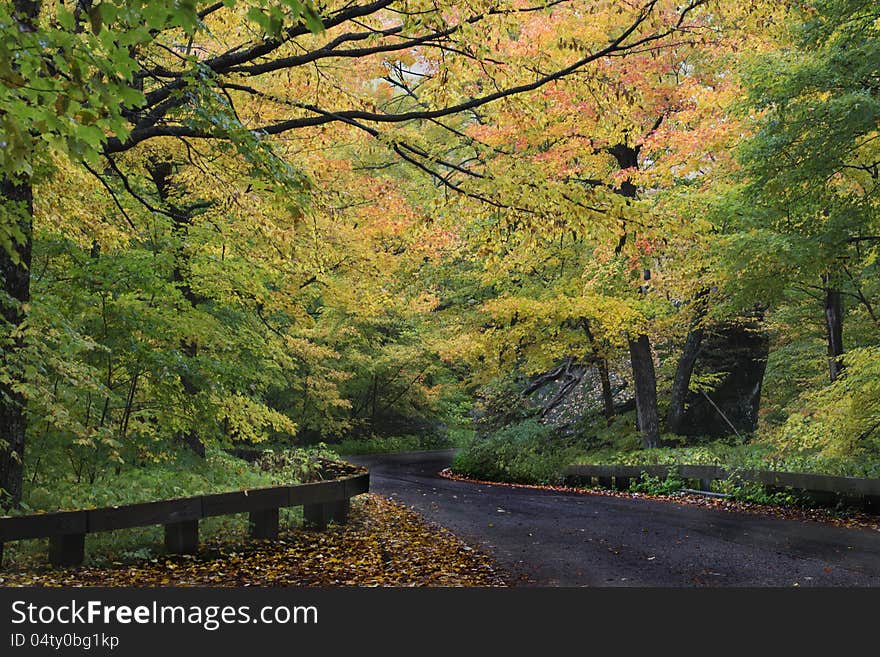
(706, 485)
(318, 516)
(604, 482)
(622, 483)
(578, 481)
(315, 516)
(339, 511)
(182, 537)
(264, 523)
(67, 549)
(823, 497)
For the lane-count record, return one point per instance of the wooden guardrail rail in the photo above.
(823, 485)
(322, 502)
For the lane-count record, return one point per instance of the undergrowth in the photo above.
(184, 476)
(754, 455)
(528, 452)
(403, 443)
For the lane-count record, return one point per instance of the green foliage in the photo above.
(801, 220)
(841, 420)
(527, 452)
(123, 358)
(750, 491)
(55, 485)
(732, 455)
(266, 291)
(500, 404)
(595, 432)
(388, 444)
(293, 465)
(108, 364)
(396, 378)
(806, 216)
(71, 78)
(65, 88)
(656, 486)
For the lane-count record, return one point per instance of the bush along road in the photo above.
(552, 538)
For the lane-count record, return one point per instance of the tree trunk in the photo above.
(684, 369)
(682, 380)
(607, 395)
(644, 378)
(645, 384)
(17, 210)
(602, 366)
(736, 350)
(834, 329)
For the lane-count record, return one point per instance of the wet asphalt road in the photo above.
(548, 538)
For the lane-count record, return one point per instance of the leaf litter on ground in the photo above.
(383, 544)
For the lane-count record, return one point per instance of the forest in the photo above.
(544, 232)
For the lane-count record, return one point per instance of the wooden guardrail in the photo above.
(322, 502)
(622, 476)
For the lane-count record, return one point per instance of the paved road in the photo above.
(548, 538)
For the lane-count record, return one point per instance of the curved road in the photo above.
(548, 538)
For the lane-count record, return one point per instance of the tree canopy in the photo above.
(280, 222)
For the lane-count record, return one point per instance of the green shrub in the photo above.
(527, 452)
(292, 465)
(651, 485)
(759, 455)
(594, 432)
(184, 476)
(751, 491)
(385, 444)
